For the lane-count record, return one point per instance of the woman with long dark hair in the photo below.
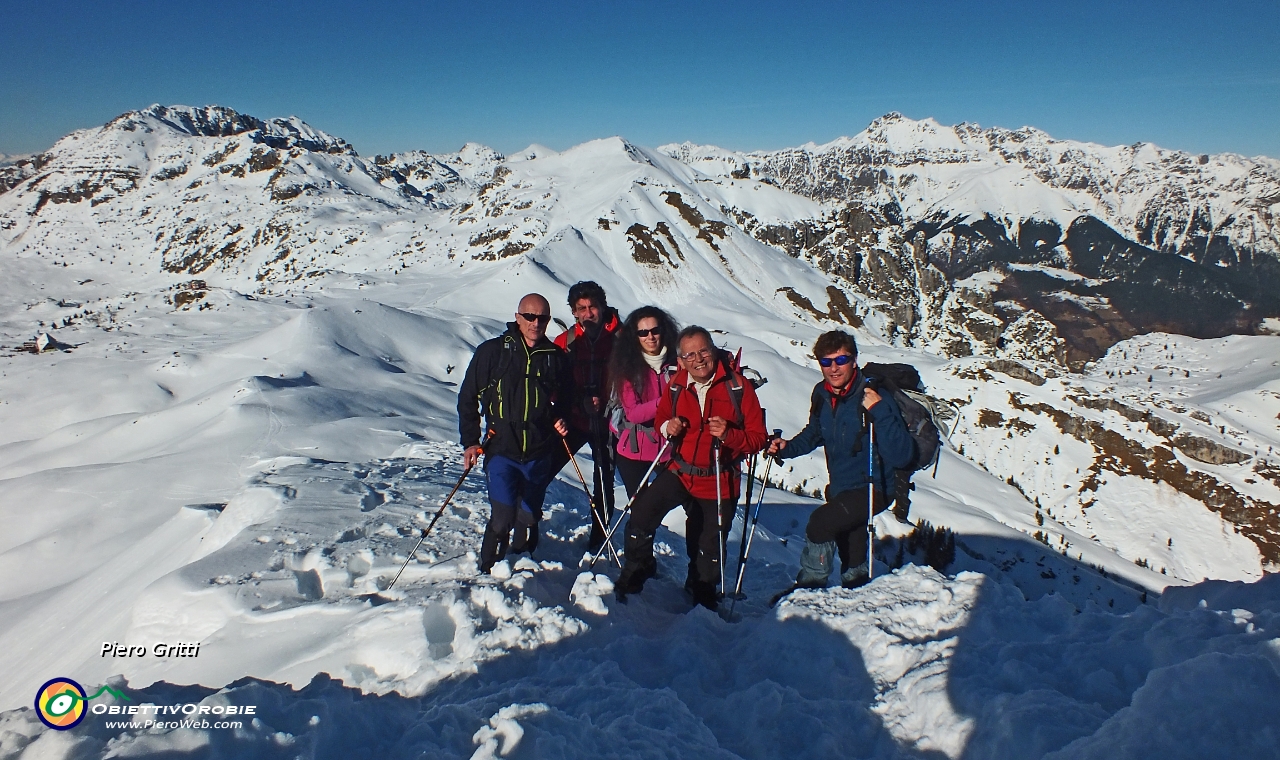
(643, 360)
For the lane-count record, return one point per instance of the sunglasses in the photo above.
(543, 318)
(839, 361)
(654, 331)
(704, 353)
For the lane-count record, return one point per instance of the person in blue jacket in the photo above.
(841, 406)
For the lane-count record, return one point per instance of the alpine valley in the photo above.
(228, 389)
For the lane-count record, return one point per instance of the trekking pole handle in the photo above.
(479, 447)
(773, 436)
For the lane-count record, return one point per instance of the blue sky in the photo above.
(390, 76)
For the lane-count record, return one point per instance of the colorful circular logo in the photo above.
(60, 703)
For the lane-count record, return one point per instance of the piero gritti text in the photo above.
(178, 649)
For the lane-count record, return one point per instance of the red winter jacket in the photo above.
(590, 361)
(741, 438)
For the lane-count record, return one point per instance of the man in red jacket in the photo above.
(698, 412)
(588, 344)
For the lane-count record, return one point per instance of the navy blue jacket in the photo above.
(846, 440)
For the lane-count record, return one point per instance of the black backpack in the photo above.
(902, 381)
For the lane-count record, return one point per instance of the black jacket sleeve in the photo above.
(470, 395)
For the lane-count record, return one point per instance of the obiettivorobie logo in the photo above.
(61, 702)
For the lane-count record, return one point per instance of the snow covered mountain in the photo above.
(1103, 242)
(183, 202)
(260, 335)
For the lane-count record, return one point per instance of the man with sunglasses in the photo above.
(588, 344)
(697, 412)
(841, 407)
(521, 383)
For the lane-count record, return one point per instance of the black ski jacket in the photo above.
(521, 392)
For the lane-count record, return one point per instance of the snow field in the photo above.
(1008, 426)
(914, 665)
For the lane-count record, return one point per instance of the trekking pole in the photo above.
(746, 511)
(746, 504)
(601, 492)
(608, 537)
(720, 536)
(871, 500)
(590, 499)
(439, 512)
(755, 520)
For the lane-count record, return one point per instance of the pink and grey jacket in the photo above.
(637, 438)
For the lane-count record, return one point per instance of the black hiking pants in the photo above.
(702, 526)
(843, 519)
(631, 471)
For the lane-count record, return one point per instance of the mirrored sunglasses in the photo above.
(839, 361)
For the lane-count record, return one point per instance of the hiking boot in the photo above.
(596, 539)
(704, 594)
(815, 564)
(633, 576)
(855, 577)
(492, 549)
(526, 539)
(691, 577)
(901, 508)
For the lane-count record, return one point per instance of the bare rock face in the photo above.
(866, 251)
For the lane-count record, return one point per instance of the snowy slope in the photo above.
(236, 462)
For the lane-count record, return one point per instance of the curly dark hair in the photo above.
(589, 290)
(626, 363)
(830, 342)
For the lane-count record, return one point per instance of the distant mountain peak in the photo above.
(220, 121)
